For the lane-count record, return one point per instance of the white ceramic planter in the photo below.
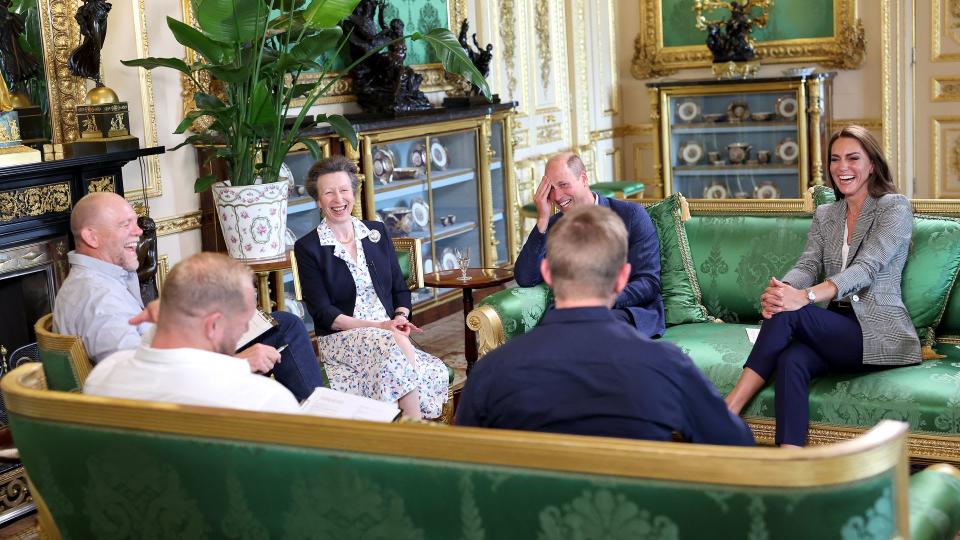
(253, 219)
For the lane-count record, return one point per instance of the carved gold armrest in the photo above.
(485, 321)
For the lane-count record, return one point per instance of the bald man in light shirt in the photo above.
(101, 297)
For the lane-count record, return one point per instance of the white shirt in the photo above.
(845, 250)
(189, 377)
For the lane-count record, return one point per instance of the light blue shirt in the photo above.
(95, 302)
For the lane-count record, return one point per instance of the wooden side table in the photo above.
(264, 269)
(480, 278)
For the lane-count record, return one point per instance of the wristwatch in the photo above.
(811, 297)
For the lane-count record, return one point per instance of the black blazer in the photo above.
(329, 289)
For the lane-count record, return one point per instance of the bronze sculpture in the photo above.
(84, 61)
(16, 64)
(729, 40)
(382, 83)
(147, 256)
(480, 57)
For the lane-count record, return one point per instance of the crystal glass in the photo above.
(463, 259)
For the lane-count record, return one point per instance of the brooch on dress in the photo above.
(374, 236)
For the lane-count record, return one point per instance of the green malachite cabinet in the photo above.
(741, 139)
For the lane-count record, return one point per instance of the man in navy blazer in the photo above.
(582, 372)
(565, 185)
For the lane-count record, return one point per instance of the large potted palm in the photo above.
(251, 55)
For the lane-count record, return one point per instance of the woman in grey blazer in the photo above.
(855, 252)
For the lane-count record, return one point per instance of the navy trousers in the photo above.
(298, 368)
(800, 345)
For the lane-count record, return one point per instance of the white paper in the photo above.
(333, 404)
(752, 334)
(259, 323)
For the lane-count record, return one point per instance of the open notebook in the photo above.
(334, 404)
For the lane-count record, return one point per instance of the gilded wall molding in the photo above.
(509, 37)
(154, 183)
(945, 88)
(541, 25)
(945, 155)
(872, 124)
(60, 34)
(940, 28)
(614, 107)
(582, 91)
(844, 51)
(163, 268)
(34, 201)
(178, 224)
(549, 133)
(892, 72)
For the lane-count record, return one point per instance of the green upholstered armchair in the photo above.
(134, 468)
(64, 359)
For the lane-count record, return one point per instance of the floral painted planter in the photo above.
(253, 219)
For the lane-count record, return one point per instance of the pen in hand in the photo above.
(282, 348)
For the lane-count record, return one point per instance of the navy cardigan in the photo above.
(328, 287)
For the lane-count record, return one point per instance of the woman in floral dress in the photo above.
(360, 303)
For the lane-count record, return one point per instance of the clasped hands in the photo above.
(400, 325)
(780, 296)
(260, 357)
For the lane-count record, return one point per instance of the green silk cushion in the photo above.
(678, 279)
(137, 484)
(626, 187)
(933, 512)
(520, 308)
(59, 371)
(926, 395)
(735, 256)
(930, 272)
(950, 323)
(823, 195)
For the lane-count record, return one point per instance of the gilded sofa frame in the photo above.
(881, 449)
(922, 448)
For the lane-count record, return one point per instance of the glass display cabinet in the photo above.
(742, 139)
(445, 183)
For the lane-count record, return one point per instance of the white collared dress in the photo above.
(367, 361)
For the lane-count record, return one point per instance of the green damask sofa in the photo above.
(110, 468)
(716, 263)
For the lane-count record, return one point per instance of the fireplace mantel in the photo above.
(36, 199)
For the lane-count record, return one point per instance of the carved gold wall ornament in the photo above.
(944, 26)
(60, 34)
(549, 133)
(652, 59)
(101, 183)
(945, 88)
(541, 25)
(154, 183)
(178, 224)
(34, 201)
(509, 37)
(945, 156)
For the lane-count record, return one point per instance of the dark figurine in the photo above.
(480, 57)
(147, 256)
(382, 83)
(17, 65)
(729, 40)
(84, 61)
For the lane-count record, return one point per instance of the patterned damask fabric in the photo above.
(678, 278)
(142, 485)
(735, 257)
(520, 308)
(930, 272)
(926, 396)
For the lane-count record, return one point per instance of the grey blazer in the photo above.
(878, 251)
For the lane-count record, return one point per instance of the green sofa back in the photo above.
(108, 468)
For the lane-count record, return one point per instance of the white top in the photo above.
(845, 250)
(189, 377)
(95, 302)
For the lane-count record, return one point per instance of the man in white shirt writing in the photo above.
(208, 300)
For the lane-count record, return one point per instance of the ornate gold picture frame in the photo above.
(64, 91)
(844, 50)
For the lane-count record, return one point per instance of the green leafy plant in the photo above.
(259, 52)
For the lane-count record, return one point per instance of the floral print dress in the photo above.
(368, 361)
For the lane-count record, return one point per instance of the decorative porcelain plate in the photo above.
(691, 152)
(448, 259)
(716, 191)
(405, 173)
(788, 151)
(418, 156)
(688, 111)
(766, 190)
(786, 107)
(420, 212)
(383, 165)
(427, 265)
(287, 174)
(738, 111)
(438, 154)
(290, 239)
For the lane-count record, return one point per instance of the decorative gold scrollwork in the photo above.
(851, 46)
(13, 490)
(34, 201)
(101, 183)
(509, 37)
(542, 27)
